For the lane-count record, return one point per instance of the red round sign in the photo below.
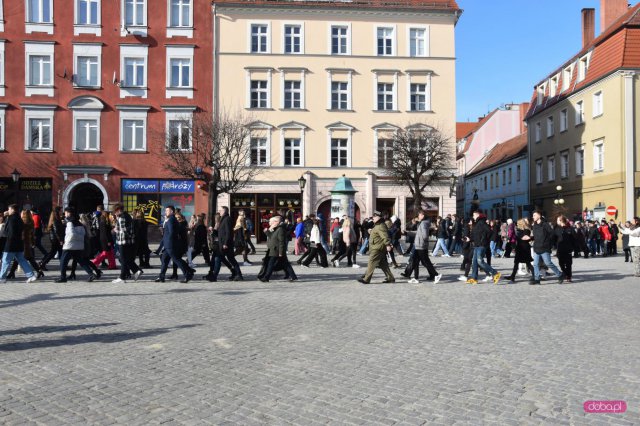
(611, 211)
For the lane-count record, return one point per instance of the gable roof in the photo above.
(445, 5)
(464, 128)
(502, 152)
(617, 47)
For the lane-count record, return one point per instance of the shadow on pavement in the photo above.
(54, 296)
(114, 337)
(54, 328)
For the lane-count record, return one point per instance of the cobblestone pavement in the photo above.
(325, 350)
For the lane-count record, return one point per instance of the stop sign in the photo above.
(611, 211)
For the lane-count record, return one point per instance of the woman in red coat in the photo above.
(605, 237)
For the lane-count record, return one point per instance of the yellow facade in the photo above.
(316, 123)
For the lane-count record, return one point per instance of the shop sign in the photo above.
(35, 184)
(5, 184)
(177, 186)
(139, 186)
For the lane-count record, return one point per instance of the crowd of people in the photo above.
(94, 242)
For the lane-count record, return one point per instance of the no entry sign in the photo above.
(612, 211)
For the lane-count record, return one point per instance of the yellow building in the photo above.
(328, 83)
(582, 123)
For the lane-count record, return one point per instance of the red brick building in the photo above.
(88, 88)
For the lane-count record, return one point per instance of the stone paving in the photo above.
(325, 350)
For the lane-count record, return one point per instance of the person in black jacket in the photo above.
(443, 236)
(543, 238)
(277, 249)
(522, 249)
(55, 228)
(613, 247)
(480, 236)
(566, 244)
(200, 240)
(226, 242)
(456, 233)
(172, 247)
(14, 247)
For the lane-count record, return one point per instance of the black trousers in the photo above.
(422, 256)
(565, 259)
(55, 247)
(77, 256)
(348, 254)
(288, 270)
(228, 253)
(316, 252)
(127, 256)
(170, 256)
(204, 250)
(515, 268)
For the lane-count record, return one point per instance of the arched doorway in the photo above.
(85, 197)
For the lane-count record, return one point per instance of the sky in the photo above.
(505, 47)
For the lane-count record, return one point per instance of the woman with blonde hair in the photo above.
(240, 238)
(350, 242)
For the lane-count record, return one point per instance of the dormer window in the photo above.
(566, 78)
(553, 86)
(540, 91)
(583, 66)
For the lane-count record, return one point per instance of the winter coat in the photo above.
(523, 248)
(634, 236)
(481, 233)
(379, 238)
(28, 237)
(74, 236)
(421, 241)
(315, 237)
(593, 233)
(511, 233)
(348, 235)
(277, 241)
(442, 230)
(565, 238)
(56, 234)
(106, 238)
(199, 236)
(299, 230)
(605, 232)
(543, 237)
(225, 232)
(14, 227)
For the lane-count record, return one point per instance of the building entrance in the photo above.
(85, 198)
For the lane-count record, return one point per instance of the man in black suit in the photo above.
(171, 244)
(225, 241)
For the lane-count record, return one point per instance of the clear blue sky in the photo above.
(505, 47)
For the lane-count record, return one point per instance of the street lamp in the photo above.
(302, 182)
(15, 175)
(558, 201)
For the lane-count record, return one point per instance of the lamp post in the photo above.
(15, 175)
(302, 182)
(559, 201)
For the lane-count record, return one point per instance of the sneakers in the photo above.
(305, 266)
(437, 278)
(118, 281)
(356, 266)
(462, 278)
(487, 279)
(413, 281)
(247, 264)
(31, 279)
(362, 281)
(446, 255)
(472, 281)
(496, 277)
(137, 275)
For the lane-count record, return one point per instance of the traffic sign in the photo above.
(612, 211)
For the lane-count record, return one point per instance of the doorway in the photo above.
(85, 198)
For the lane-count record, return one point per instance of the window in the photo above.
(180, 72)
(2, 66)
(510, 176)
(518, 173)
(135, 12)
(339, 152)
(385, 97)
(385, 41)
(418, 97)
(179, 136)
(550, 127)
(597, 104)
(259, 94)
(133, 128)
(564, 120)
(39, 70)
(2, 126)
(180, 13)
(504, 177)
(87, 73)
(39, 60)
(579, 112)
(385, 153)
(293, 39)
(134, 72)
(538, 171)
(292, 152)
(553, 86)
(538, 131)
(39, 134)
(39, 11)
(566, 78)
(579, 161)
(551, 169)
(86, 135)
(340, 44)
(87, 12)
(259, 38)
(339, 95)
(485, 183)
(292, 95)
(417, 42)
(583, 66)
(86, 123)
(491, 181)
(259, 152)
(598, 155)
(564, 164)
(497, 179)
(540, 94)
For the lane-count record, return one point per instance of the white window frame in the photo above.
(598, 104)
(289, 74)
(1, 15)
(339, 93)
(424, 28)
(85, 115)
(346, 149)
(330, 81)
(3, 108)
(410, 74)
(2, 65)
(42, 112)
(394, 39)
(551, 168)
(287, 128)
(250, 25)
(579, 113)
(598, 143)
(286, 24)
(346, 25)
(87, 50)
(583, 67)
(79, 28)
(539, 171)
(249, 78)
(259, 148)
(579, 160)
(341, 127)
(537, 128)
(564, 164)
(183, 114)
(299, 91)
(137, 51)
(39, 26)
(386, 93)
(564, 120)
(43, 48)
(183, 52)
(551, 127)
(130, 112)
(567, 74)
(266, 91)
(425, 94)
(540, 95)
(134, 29)
(553, 85)
(180, 30)
(260, 130)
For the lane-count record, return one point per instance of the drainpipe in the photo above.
(629, 130)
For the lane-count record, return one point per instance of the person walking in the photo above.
(581, 241)
(299, 247)
(226, 242)
(200, 245)
(615, 231)
(316, 250)
(634, 243)
(106, 242)
(542, 235)
(217, 258)
(28, 236)
(522, 250)
(277, 250)
(566, 244)
(14, 246)
(173, 247)
(605, 238)
(421, 245)
(37, 232)
(55, 229)
(593, 238)
(467, 252)
(456, 232)
(480, 236)
(349, 245)
(625, 242)
(141, 229)
(240, 238)
(442, 235)
(379, 246)
(125, 239)
(75, 244)
(511, 238)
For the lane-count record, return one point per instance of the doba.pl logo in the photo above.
(605, 407)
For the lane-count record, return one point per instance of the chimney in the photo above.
(524, 109)
(588, 25)
(610, 10)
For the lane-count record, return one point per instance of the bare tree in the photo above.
(422, 156)
(214, 150)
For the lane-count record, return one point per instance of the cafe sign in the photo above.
(28, 184)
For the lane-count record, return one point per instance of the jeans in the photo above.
(494, 248)
(365, 246)
(546, 258)
(593, 246)
(7, 259)
(479, 253)
(441, 244)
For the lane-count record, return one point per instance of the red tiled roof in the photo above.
(398, 4)
(501, 153)
(464, 128)
(617, 47)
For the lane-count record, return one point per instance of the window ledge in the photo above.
(140, 92)
(38, 27)
(340, 110)
(563, 131)
(260, 109)
(598, 171)
(598, 116)
(580, 124)
(425, 111)
(294, 109)
(39, 150)
(386, 110)
(39, 90)
(76, 86)
(86, 151)
(133, 30)
(134, 152)
(87, 29)
(180, 32)
(179, 92)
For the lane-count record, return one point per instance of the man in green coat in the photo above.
(379, 245)
(277, 249)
